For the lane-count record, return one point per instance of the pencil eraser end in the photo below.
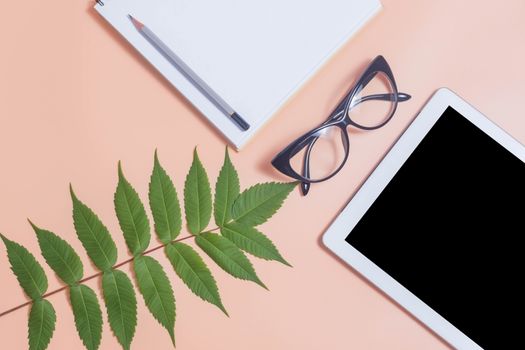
(241, 123)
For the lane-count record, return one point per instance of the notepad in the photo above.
(254, 54)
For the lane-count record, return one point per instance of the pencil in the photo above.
(204, 88)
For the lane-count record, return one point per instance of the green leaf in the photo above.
(88, 317)
(192, 270)
(227, 190)
(230, 258)
(157, 292)
(93, 235)
(59, 255)
(131, 215)
(258, 203)
(164, 204)
(41, 325)
(252, 241)
(121, 305)
(27, 270)
(197, 197)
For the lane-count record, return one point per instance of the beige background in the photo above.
(75, 99)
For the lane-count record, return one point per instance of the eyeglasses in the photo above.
(322, 152)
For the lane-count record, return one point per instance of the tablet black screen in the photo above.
(448, 227)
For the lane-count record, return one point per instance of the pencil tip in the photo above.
(135, 22)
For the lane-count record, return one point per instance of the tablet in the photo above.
(437, 225)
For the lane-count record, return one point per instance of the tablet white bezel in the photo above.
(334, 238)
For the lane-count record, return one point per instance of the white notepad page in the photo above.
(254, 54)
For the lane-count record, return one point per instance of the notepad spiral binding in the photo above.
(100, 2)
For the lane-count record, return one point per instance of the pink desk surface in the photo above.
(75, 98)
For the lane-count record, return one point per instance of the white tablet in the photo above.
(437, 225)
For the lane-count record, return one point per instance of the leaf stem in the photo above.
(48, 294)
(209, 231)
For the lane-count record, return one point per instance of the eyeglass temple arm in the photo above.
(305, 186)
(401, 97)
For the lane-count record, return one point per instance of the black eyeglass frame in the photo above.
(340, 118)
